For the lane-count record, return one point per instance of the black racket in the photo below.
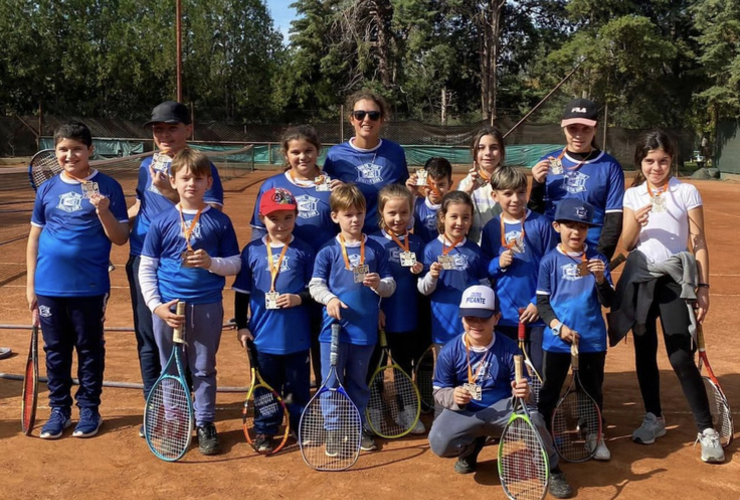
(31, 380)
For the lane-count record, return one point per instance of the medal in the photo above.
(271, 300)
(360, 270)
(556, 166)
(89, 189)
(516, 245)
(422, 177)
(475, 390)
(187, 233)
(583, 268)
(323, 183)
(483, 178)
(448, 261)
(408, 259)
(161, 163)
(656, 198)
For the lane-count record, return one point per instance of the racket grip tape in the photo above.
(336, 329)
(522, 327)
(177, 333)
(518, 367)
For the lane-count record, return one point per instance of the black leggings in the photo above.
(674, 318)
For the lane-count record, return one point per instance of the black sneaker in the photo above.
(559, 487)
(263, 443)
(208, 440)
(368, 442)
(468, 463)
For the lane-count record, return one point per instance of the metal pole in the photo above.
(178, 14)
(606, 124)
(341, 123)
(41, 124)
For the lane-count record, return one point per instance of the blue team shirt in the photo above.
(515, 286)
(599, 181)
(154, 203)
(470, 269)
(495, 377)
(401, 308)
(165, 241)
(360, 320)
(370, 169)
(425, 219)
(574, 300)
(73, 249)
(277, 331)
(313, 224)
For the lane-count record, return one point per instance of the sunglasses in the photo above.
(360, 114)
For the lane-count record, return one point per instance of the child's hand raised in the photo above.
(597, 268)
(539, 171)
(286, 300)
(435, 270)
(372, 280)
(160, 180)
(100, 202)
(334, 308)
(461, 396)
(411, 185)
(505, 259)
(474, 179)
(242, 335)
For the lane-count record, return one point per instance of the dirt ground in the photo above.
(117, 462)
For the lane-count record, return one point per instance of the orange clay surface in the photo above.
(118, 464)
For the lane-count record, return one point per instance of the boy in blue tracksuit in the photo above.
(76, 216)
(187, 252)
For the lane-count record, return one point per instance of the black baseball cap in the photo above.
(580, 111)
(575, 210)
(169, 112)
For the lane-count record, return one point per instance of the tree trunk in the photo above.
(489, 23)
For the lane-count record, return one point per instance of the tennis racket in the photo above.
(394, 406)
(43, 166)
(330, 429)
(534, 377)
(264, 408)
(523, 465)
(617, 261)
(423, 376)
(576, 421)
(31, 380)
(168, 416)
(718, 404)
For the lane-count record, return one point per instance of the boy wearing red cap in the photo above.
(271, 305)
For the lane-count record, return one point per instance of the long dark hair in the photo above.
(650, 141)
(480, 135)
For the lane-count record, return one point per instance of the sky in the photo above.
(282, 15)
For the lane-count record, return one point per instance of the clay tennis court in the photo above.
(118, 464)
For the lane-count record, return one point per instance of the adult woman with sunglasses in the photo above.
(366, 159)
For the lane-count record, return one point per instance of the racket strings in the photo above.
(534, 382)
(424, 375)
(720, 410)
(330, 431)
(523, 467)
(576, 426)
(264, 413)
(393, 408)
(167, 419)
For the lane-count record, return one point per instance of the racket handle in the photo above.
(177, 333)
(336, 329)
(518, 367)
(700, 337)
(574, 354)
(522, 327)
(383, 340)
(617, 261)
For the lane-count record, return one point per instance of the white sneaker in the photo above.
(419, 428)
(652, 427)
(406, 418)
(602, 452)
(711, 449)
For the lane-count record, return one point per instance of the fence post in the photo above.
(341, 123)
(41, 124)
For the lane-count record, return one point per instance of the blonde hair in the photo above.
(506, 177)
(347, 196)
(452, 198)
(388, 193)
(195, 161)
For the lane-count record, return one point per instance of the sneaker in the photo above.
(468, 463)
(419, 428)
(368, 442)
(89, 423)
(263, 443)
(375, 417)
(602, 452)
(559, 487)
(405, 420)
(58, 421)
(652, 427)
(711, 449)
(141, 431)
(208, 439)
(333, 444)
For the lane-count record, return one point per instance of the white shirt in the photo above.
(667, 232)
(484, 208)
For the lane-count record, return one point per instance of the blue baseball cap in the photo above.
(575, 210)
(478, 301)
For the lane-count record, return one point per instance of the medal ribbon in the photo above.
(471, 378)
(81, 181)
(509, 245)
(577, 165)
(584, 260)
(658, 192)
(274, 269)
(433, 187)
(186, 233)
(346, 257)
(446, 249)
(298, 182)
(405, 245)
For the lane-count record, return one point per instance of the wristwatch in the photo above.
(556, 329)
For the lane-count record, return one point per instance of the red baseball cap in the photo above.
(277, 199)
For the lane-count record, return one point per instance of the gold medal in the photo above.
(271, 300)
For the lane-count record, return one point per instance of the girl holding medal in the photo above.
(580, 170)
(277, 297)
(453, 263)
(664, 223)
(399, 312)
(488, 151)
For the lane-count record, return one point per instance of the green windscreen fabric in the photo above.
(104, 148)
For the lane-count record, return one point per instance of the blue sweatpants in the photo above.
(289, 375)
(146, 345)
(202, 333)
(352, 367)
(67, 324)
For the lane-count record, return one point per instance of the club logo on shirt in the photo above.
(70, 202)
(308, 206)
(431, 222)
(196, 234)
(368, 173)
(275, 257)
(354, 260)
(45, 311)
(460, 261)
(570, 272)
(515, 239)
(574, 182)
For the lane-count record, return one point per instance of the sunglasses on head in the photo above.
(360, 114)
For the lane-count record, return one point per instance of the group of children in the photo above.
(436, 255)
